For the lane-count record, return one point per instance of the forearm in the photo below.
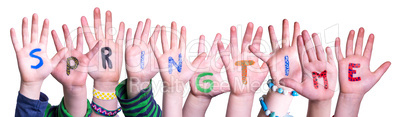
(172, 101)
(319, 108)
(240, 105)
(196, 106)
(106, 104)
(348, 105)
(31, 90)
(75, 100)
(134, 86)
(277, 103)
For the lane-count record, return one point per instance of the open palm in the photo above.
(319, 73)
(140, 61)
(75, 76)
(235, 66)
(104, 71)
(280, 56)
(207, 80)
(362, 80)
(173, 76)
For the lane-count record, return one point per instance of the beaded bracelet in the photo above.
(268, 112)
(104, 95)
(274, 88)
(101, 111)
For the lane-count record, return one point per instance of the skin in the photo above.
(352, 93)
(138, 78)
(75, 91)
(32, 79)
(174, 83)
(276, 102)
(105, 80)
(312, 58)
(242, 94)
(197, 102)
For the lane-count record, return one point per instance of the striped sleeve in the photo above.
(61, 111)
(142, 105)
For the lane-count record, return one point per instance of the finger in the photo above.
(154, 38)
(25, 34)
(382, 69)
(272, 36)
(129, 39)
(94, 50)
(220, 61)
(145, 33)
(330, 56)
(59, 55)
(165, 43)
(45, 32)
(89, 38)
(120, 34)
(15, 41)
(259, 54)
(309, 46)
(214, 48)
(349, 43)
(285, 34)
(359, 42)
(257, 38)
(288, 82)
(183, 38)
(56, 41)
(369, 46)
(137, 35)
(198, 60)
(247, 36)
(69, 42)
(108, 26)
(338, 52)
(80, 42)
(98, 24)
(318, 47)
(233, 42)
(34, 28)
(302, 50)
(173, 36)
(296, 33)
(201, 44)
(224, 54)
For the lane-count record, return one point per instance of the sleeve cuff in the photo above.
(27, 106)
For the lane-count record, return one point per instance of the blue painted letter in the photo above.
(172, 63)
(142, 59)
(34, 56)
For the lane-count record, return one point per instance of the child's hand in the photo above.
(33, 62)
(207, 81)
(316, 84)
(175, 69)
(108, 60)
(279, 56)
(243, 81)
(355, 77)
(244, 73)
(75, 72)
(141, 64)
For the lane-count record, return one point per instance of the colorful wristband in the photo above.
(268, 112)
(101, 111)
(104, 95)
(274, 88)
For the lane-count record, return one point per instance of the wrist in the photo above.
(134, 86)
(239, 105)
(278, 103)
(105, 86)
(319, 108)
(74, 91)
(348, 104)
(31, 90)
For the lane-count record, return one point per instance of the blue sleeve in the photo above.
(31, 108)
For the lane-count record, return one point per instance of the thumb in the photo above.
(288, 82)
(382, 69)
(200, 58)
(59, 55)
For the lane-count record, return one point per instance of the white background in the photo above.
(381, 18)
